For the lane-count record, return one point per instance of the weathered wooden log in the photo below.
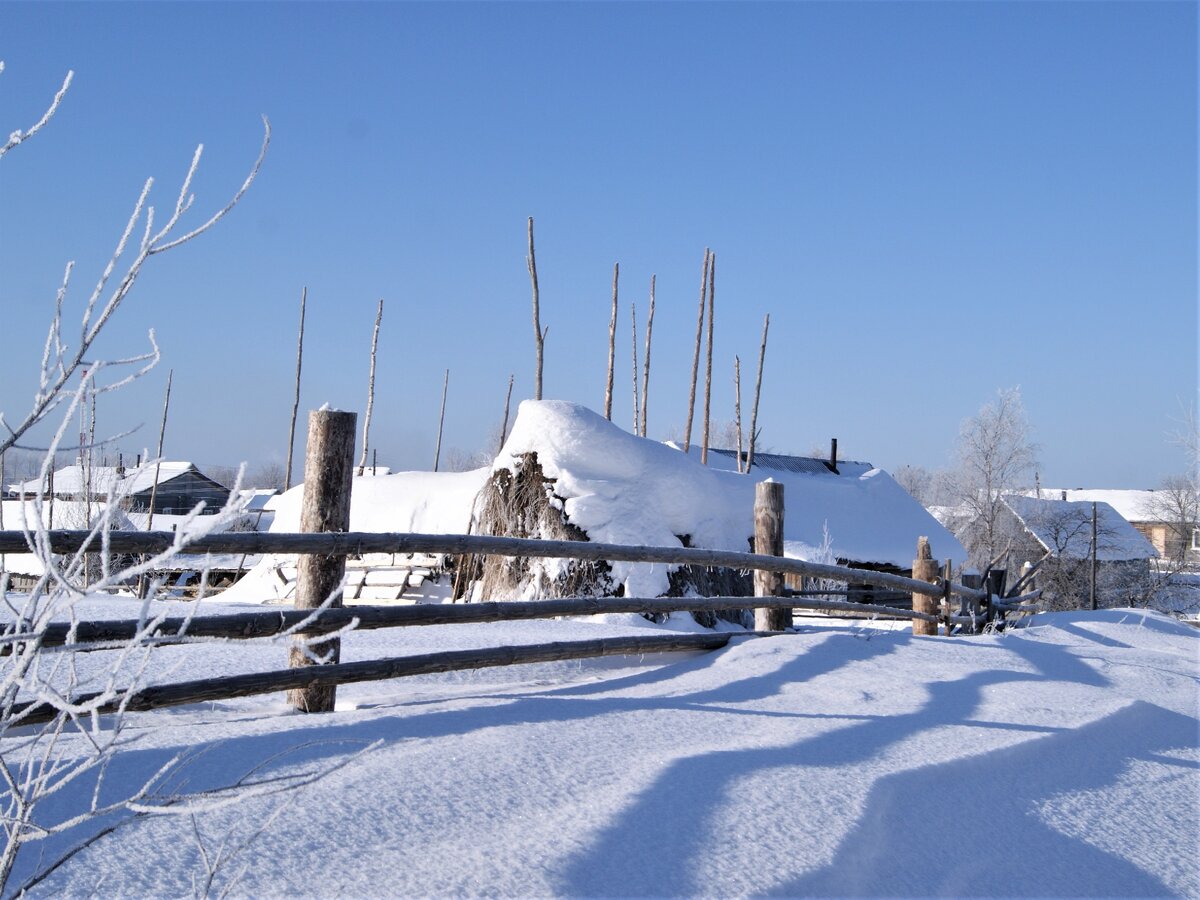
(768, 540)
(327, 677)
(360, 542)
(328, 473)
(250, 625)
(925, 569)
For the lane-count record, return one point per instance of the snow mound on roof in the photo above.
(623, 489)
(619, 488)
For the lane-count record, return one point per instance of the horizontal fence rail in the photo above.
(250, 625)
(357, 543)
(229, 687)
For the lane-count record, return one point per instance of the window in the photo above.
(1196, 538)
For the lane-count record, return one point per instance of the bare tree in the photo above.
(917, 480)
(687, 431)
(612, 346)
(1176, 504)
(539, 334)
(646, 372)
(362, 463)
(287, 478)
(40, 763)
(995, 455)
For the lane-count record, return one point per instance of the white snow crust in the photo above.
(845, 760)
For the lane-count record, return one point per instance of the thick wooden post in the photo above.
(925, 568)
(328, 470)
(768, 539)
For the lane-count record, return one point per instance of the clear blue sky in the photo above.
(931, 200)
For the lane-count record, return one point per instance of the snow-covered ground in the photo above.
(1060, 759)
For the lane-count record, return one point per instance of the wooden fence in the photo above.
(324, 544)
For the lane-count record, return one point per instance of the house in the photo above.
(1056, 535)
(1167, 518)
(846, 512)
(180, 487)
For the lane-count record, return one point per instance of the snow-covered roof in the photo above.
(74, 479)
(624, 489)
(1064, 527)
(768, 464)
(1133, 506)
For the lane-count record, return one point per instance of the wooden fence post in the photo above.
(925, 568)
(768, 539)
(328, 469)
(972, 606)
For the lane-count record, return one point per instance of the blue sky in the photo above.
(931, 200)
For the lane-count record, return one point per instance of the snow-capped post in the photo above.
(925, 568)
(768, 539)
(328, 471)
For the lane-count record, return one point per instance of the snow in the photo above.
(621, 488)
(1132, 505)
(845, 760)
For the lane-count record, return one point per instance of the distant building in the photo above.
(180, 487)
(1147, 511)
(1056, 535)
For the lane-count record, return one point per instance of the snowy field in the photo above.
(846, 759)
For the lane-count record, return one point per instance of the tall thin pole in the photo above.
(712, 287)
(737, 406)
(762, 354)
(162, 431)
(504, 425)
(646, 370)
(287, 478)
(437, 453)
(362, 463)
(539, 336)
(637, 407)
(612, 346)
(687, 431)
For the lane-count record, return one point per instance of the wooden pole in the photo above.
(612, 346)
(712, 279)
(162, 432)
(947, 578)
(762, 353)
(437, 452)
(925, 568)
(539, 336)
(504, 424)
(687, 432)
(768, 540)
(328, 467)
(737, 406)
(287, 478)
(646, 371)
(362, 463)
(1092, 580)
(637, 406)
